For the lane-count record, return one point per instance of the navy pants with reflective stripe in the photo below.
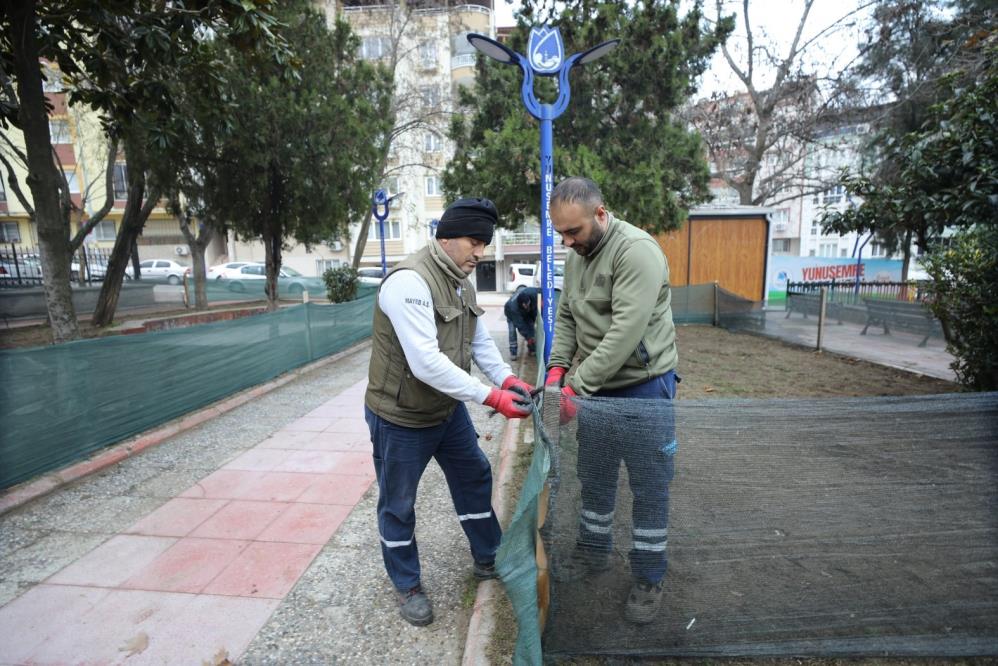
(400, 456)
(647, 446)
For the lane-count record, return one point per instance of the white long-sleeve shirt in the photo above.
(405, 298)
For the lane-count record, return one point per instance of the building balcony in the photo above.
(465, 60)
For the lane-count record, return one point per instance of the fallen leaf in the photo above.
(708, 389)
(221, 658)
(136, 645)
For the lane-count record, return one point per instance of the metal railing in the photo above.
(21, 266)
(849, 292)
(465, 60)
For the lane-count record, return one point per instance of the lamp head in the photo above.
(597, 52)
(492, 48)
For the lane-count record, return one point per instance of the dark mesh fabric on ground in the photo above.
(831, 527)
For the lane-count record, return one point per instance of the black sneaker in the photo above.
(483, 571)
(643, 602)
(415, 607)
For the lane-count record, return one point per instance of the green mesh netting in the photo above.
(839, 527)
(59, 404)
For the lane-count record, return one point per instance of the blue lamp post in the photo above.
(379, 206)
(547, 58)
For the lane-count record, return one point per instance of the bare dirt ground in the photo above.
(715, 363)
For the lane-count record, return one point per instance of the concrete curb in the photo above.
(18, 495)
(482, 621)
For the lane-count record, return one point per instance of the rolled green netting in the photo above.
(61, 403)
(843, 527)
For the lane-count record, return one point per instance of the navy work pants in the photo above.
(400, 456)
(646, 443)
(518, 322)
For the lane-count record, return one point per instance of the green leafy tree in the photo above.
(124, 59)
(620, 129)
(932, 67)
(341, 283)
(964, 283)
(301, 159)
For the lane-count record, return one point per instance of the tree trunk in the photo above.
(365, 226)
(43, 178)
(198, 270)
(132, 220)
(272, 247)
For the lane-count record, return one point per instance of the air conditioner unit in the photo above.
(337, 246)
(182, 250)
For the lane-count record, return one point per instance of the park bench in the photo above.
(914, 317)
(810, 304)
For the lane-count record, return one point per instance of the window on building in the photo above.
(781, 246)
(392, 186)
(428, 54)
(10, 232)
(810, 253)
(119, 181)
(832, 195)
(393, 230)
(59, 131)
(433, 186)
(72, 181)
(843, 252)
(430, 96)
(814, 227)
(827, 249)
(432, 142)
(104, 231)
(877, 250)
(51, 79)
(375, 47)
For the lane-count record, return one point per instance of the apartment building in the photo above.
(427, 42)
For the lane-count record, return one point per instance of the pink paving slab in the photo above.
(306, 523)
(211, 625)
(188, 566)
(316, 462)
(177, 517)
(354, 463)
(264, 570)
(240, 519)
(357, 425)
(344, 489)
(308, 424)
(38, 613)
(334, 441)
(258, 460)
(287, 440)
(114, 561)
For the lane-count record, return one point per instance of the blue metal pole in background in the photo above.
(379, 206)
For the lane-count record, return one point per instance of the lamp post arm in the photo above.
(564, 89)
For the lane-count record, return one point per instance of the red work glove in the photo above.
(517, 384)
(510, 404)
(555, 376)
(568, 407)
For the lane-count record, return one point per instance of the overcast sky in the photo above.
(775, 20)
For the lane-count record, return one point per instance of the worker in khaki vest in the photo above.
(427, 330)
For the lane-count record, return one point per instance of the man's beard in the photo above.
(594, 239)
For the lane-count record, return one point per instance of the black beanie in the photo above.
(475, 218)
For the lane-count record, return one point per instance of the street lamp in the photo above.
(379, 206)
(546, 58)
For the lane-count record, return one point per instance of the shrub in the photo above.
(341, 284)
(964, 283)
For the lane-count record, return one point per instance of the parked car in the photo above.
(230, 269)
(370, 276)
(559, 274)
(289, 281)
(164, 270)
(521, 276)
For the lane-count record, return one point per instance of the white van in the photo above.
(520, 276)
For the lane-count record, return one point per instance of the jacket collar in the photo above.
(445, 263)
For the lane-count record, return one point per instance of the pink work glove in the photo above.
(556, 376)
(568, 407)
(515, 383)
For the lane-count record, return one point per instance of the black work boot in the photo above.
(484, 571)
(581, 564)
(415, 607)
(643, 602)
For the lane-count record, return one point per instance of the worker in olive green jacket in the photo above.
(614, 319)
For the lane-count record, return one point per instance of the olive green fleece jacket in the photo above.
(614, 314)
